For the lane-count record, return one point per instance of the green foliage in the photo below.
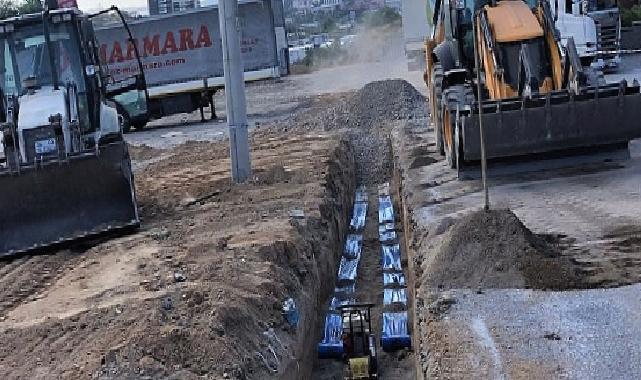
(630, 15)
(381, 17)
(329, 25)
(324, 57)
(7, 9)
(29, 6)
(10, 9)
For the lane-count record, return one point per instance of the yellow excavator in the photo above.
(502, 63)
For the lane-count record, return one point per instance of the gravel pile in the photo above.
(368, 115)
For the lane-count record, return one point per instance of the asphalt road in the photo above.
(630, 69)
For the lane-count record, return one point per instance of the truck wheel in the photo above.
(454, 100)
(139, 126)
(449, 124)
(126, 124)
(435, 105)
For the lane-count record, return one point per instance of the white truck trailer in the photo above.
(182, 56)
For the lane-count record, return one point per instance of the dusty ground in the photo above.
(473, 327)
(196, 293)
(198, 290)
(271, 101)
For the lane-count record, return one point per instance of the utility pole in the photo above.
(234, 91)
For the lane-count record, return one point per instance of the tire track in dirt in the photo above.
(26, 277)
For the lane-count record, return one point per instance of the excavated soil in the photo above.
(198, 291)
(367, 116)
(493, 249)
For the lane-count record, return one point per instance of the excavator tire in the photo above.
(435, 105)
(454, 100)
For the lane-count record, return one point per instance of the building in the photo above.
(308, 6)
(162, 7)
(395, 4)
(365, 5)
(302, 6)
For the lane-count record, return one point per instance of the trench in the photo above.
(373, 172)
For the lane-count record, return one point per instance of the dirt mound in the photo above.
(385, 100)
(494, 249)
(197, 292)
(368, 114)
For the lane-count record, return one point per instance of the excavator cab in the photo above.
(506, 67)
(66, 170)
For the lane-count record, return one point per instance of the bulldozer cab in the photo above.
(56, 51)
(43, 56)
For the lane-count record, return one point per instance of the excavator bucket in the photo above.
(85, 195)
(559, 121)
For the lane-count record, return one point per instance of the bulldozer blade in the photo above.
(555, 122)
(63, 201)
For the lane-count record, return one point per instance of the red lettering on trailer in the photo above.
(186, 39)
(116, 53)
(203, 38)
(103, 53)
(131, 51)
(151, 47)
(170, 44)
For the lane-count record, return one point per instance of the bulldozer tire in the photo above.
(139, 126)
(435, 105)
(126, 124)
(454, 100)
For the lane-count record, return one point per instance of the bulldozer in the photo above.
(501, 63)
(65, 170)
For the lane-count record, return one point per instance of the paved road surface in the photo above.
(630, 69)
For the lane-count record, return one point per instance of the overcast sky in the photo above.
(101, 4)
(123, 4)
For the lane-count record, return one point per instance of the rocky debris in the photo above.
(208, 277)
(442, 304)
(368, 115)
(552, 336)
(493, 249)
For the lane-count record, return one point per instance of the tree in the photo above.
(29, 6)
(10, 9)
(628, 16)
(329, 25)
(381, 17)
(7, 9)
